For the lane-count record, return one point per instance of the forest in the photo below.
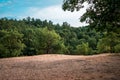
(31, 36)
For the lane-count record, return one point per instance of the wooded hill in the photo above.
(32, 36)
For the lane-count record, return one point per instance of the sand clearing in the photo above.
(61, 67)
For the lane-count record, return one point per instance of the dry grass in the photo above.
(61, 67)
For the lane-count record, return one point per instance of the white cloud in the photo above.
(57, 15)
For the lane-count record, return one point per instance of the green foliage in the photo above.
(10, 43)
(50, 41)
(3, 51)
(84, 49)
(108, 42)
(32, 37)
(103, 46)
(43, 40)
(117, 48)
(92, 43)
(29, 40)
(101, 14)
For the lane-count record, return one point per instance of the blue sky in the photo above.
(43, 9)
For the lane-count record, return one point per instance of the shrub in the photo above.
(84, 49)
(10, 43)
(117, 48)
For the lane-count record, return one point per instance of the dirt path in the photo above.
(61, 67)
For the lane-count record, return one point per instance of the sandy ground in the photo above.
(61, 67)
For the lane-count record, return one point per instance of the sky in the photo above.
(42, 9)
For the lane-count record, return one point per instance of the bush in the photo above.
(117, 48)
(84, 49)
(10, 43)
(103, 46)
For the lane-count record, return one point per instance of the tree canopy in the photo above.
(32, 36)
(101, 14)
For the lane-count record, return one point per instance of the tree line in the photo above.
(31, 36)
